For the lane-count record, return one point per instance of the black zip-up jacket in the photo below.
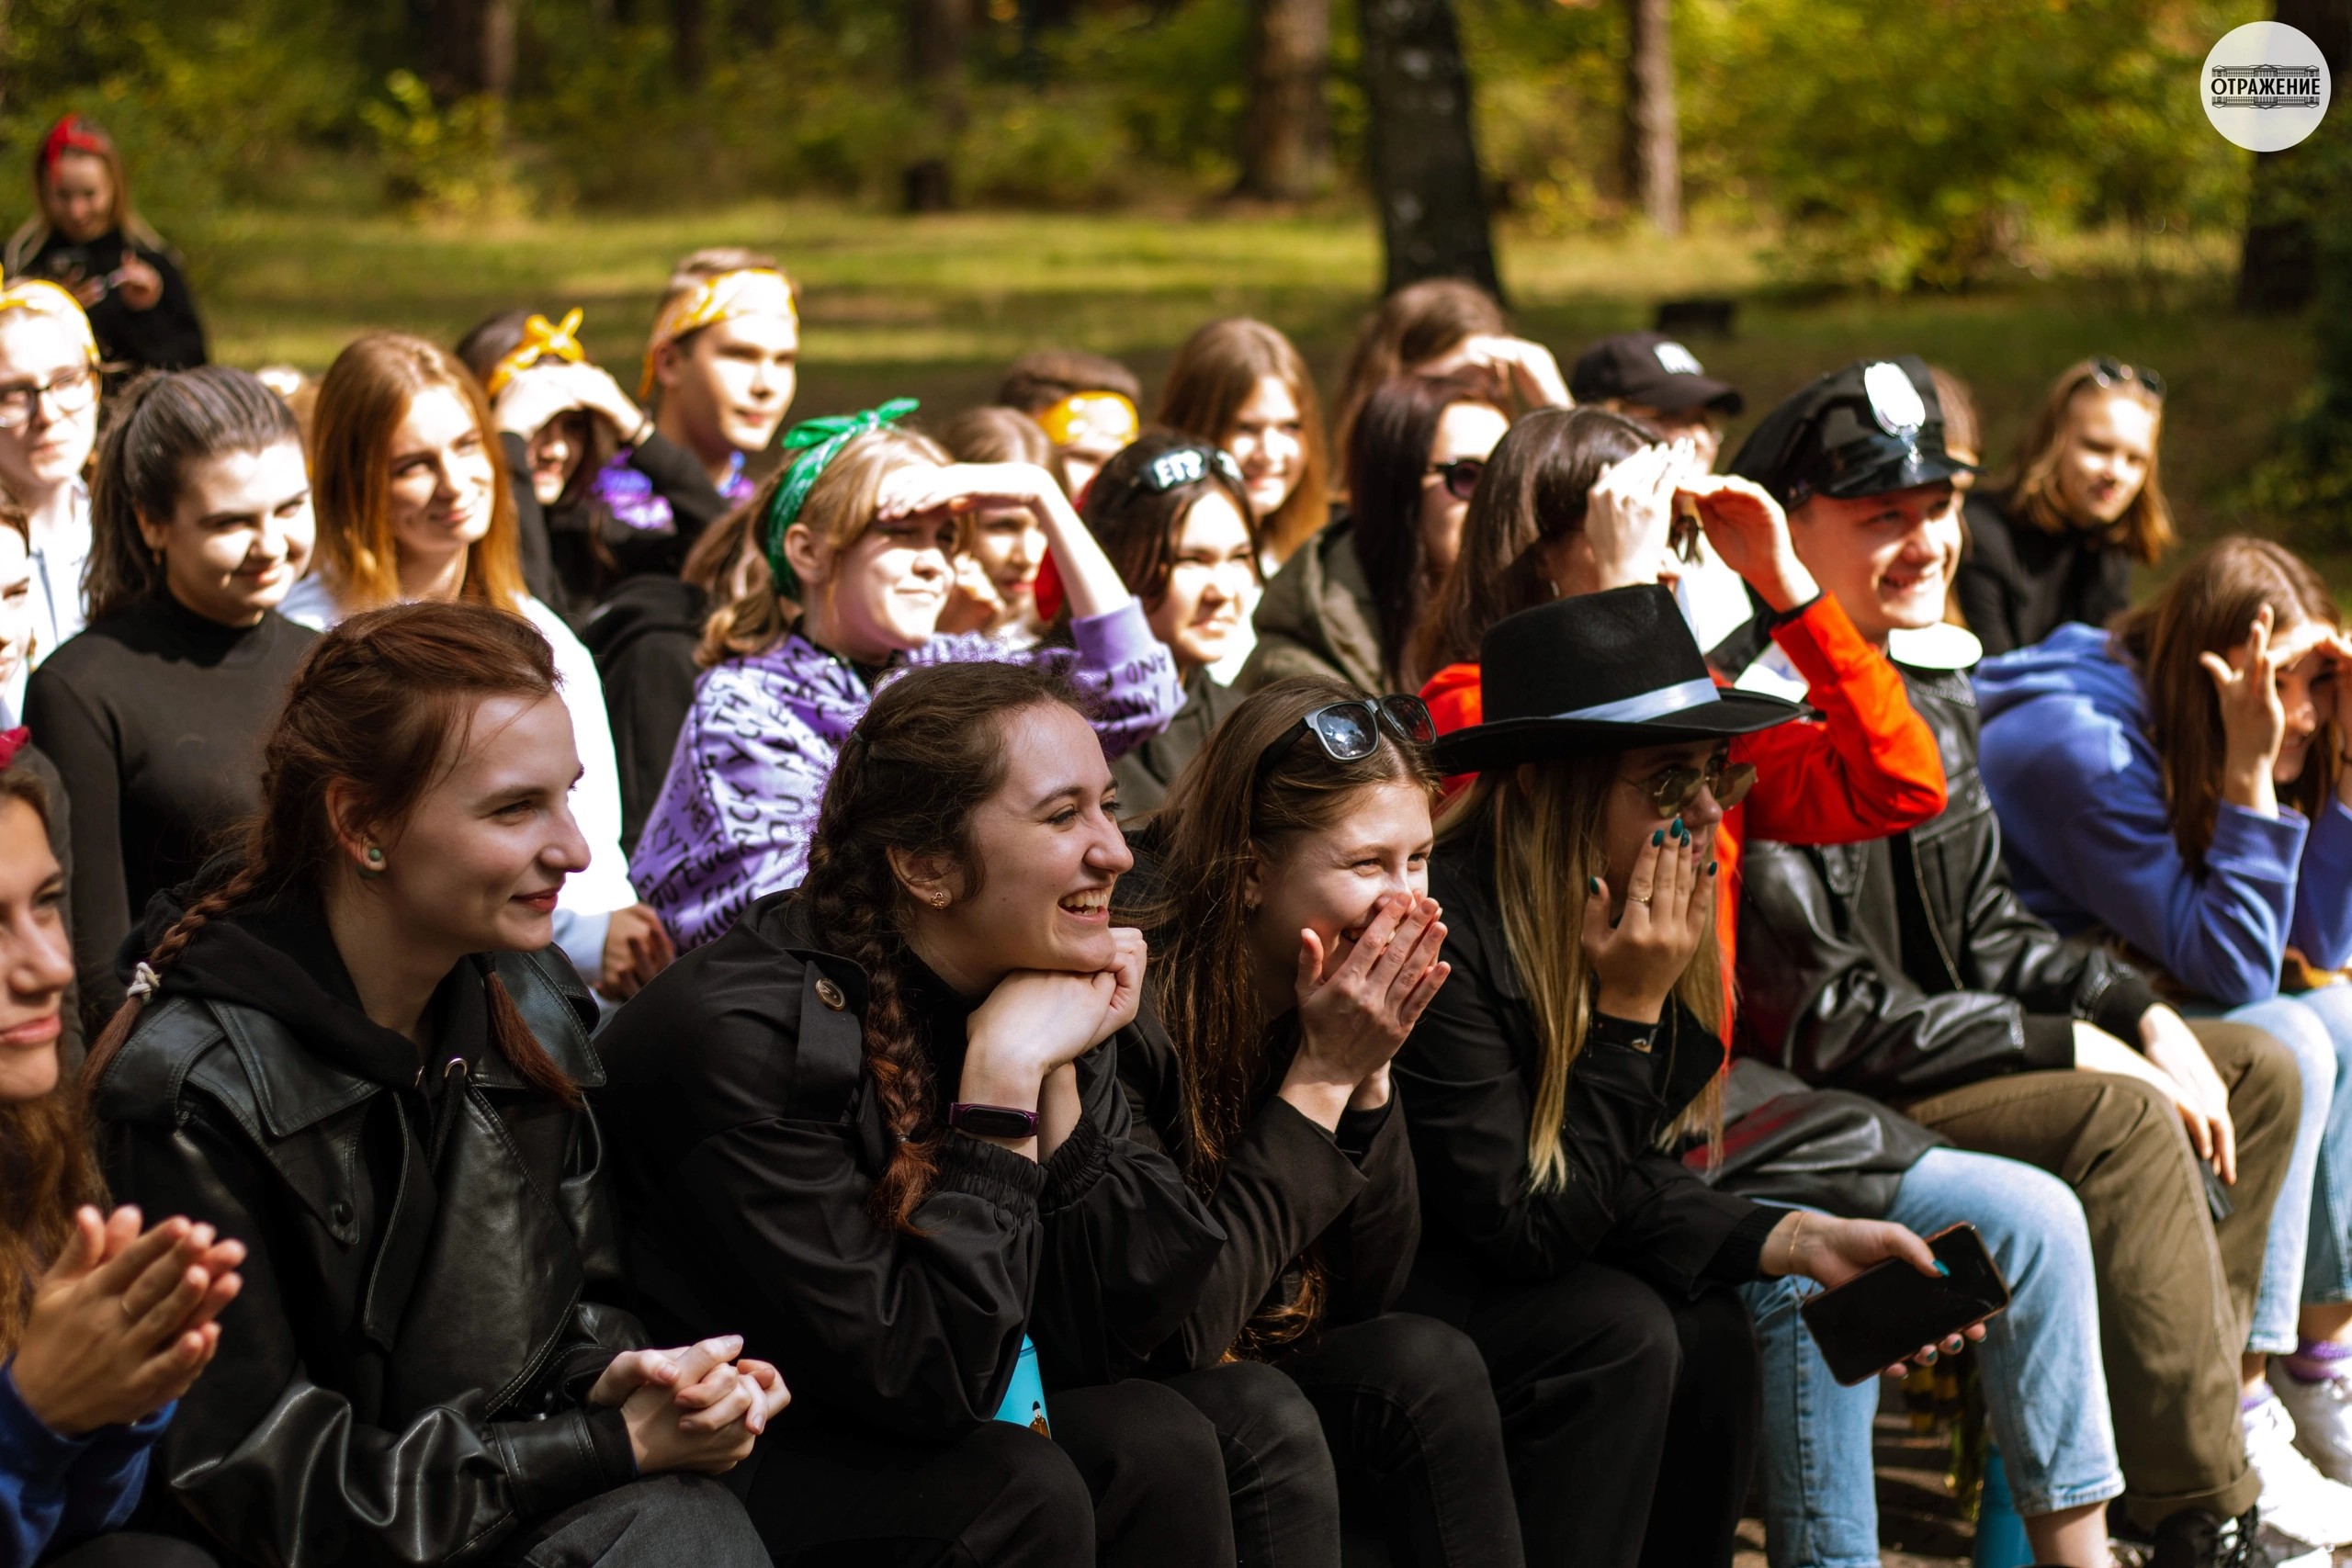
(748, 1140)
(430, 1260)
(1467, 1080)
(644, 636)
(1906, 966)
(2018, 583)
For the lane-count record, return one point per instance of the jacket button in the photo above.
(338, 1215)
(831, 995)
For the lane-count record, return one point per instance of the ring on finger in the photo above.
(1637, 898)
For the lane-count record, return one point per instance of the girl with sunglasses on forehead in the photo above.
(1283, 890)
(1174, 517)
(2054, 538)
(1348, 605)
(856, 541)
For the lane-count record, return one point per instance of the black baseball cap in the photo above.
(1652, 369)
(1871, 429)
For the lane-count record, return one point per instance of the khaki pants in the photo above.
(2175, 1290)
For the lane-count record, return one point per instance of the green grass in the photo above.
(934, 307)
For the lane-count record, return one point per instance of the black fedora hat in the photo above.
(1599, 672)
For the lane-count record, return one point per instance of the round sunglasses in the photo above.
(1460, 475)
(1671, 791)
(2108, 371)
(1350, 731)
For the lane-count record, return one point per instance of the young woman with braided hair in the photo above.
(1284, 891)
(350, 1050)
(879, 1125)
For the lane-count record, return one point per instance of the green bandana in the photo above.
(818, 442)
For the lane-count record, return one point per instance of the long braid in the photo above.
(159, 961)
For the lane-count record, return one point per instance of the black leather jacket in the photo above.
(400, 1380)
(1905, 966)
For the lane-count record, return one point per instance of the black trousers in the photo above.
(129, 1549)
(1131, 1478)
(1383, 1432)
(660, 1521)
(1630, 1419)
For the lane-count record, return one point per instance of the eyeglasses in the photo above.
(1460, 475)
(69, 391)
(1672, 791)
(2108, 371)
(1349, 732)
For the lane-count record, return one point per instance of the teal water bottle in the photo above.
(1024, 1401)
(2000, 1533)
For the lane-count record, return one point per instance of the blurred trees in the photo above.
(1287, 134)
(1425, 175)
(2279, 269)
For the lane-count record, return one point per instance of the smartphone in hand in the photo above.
(1886, 1313)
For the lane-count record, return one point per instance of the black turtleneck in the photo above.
(155, 720)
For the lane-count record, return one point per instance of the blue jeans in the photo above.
(2309, 1256)
(2044, 1385)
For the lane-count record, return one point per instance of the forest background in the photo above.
(2001, 184)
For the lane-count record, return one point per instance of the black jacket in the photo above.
(579, 549)
(749, 1139)
(1906, 966)
(165, 336)
(430, 1258)
(2019, 584)
(1466, 1079)
(644, 636)
(1145, 773)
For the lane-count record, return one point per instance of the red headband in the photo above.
(72, 134)
(11, 742)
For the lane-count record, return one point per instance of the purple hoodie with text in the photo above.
(2080, 796)
(737, 811)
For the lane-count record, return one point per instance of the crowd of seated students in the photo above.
(669, 986)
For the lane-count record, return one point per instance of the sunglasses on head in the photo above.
(1350, 731)
(1460, 475)
(2108, 371)
(1671, 791)
(1187, 465)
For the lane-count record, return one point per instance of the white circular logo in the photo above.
(2265, 86)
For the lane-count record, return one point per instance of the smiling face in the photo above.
(729, 385)
(1212, 568)
(1465, 430)
(34, 951)
(1010, 544)
(81, 196)
(1631, 816)
(52, 446)
(556, 451)
(1888, 558)
(16, 603)
(1049, 851)
(2110, 444)
(1332, 881)
(1268, 439)
(883, 594)
(441, 482)
(478, 863)
(241, 534)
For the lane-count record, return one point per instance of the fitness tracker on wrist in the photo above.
(992, 1121)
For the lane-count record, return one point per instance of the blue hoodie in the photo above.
(2081, 798)
(56, 1490)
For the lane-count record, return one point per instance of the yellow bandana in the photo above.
(754, 291)
(1098, 418)
(542, 340)
(42, 298)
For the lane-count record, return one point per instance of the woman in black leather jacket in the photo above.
(349, 1052)
(877, 1126)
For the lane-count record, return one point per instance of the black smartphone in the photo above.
(1888, 1312)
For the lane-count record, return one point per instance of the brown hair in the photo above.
(1534, 490)
(922, 757)
(1037, 381)
(155, 427)
(1221, 820)
(995, 433)
(1418, 323)
(2209, 608)
(2029, 484)
(78, 134)
(1963, 431)
(1388, 460)
(839, 509)
(379, 712)
(1215, 373)
(47, 1168)
(1137, 525)
(367, 393)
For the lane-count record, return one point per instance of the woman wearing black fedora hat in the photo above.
(1596, 1272)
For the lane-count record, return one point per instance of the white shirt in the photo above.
(583, 909)
(58, 559)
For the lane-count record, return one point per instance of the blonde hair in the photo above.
(367, 392)
(2146, 530)
(840, 508)
(1546, 821)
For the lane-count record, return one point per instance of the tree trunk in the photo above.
(1424, 162)
(689, 41)
(1653, 144)
(1286, 135)
(2278, 267)
(936, 31)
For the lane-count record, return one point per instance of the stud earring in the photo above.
(375, 866)
(939, 900)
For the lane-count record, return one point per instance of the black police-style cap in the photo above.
(1875, 427)
(1652, 369)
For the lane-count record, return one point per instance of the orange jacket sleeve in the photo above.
(1867, 767)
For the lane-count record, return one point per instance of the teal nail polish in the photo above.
(1657, 838)
(1680, 831)
(1592, 885)
(1711, 868)
(1929, 1359)
(1943, 1268)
